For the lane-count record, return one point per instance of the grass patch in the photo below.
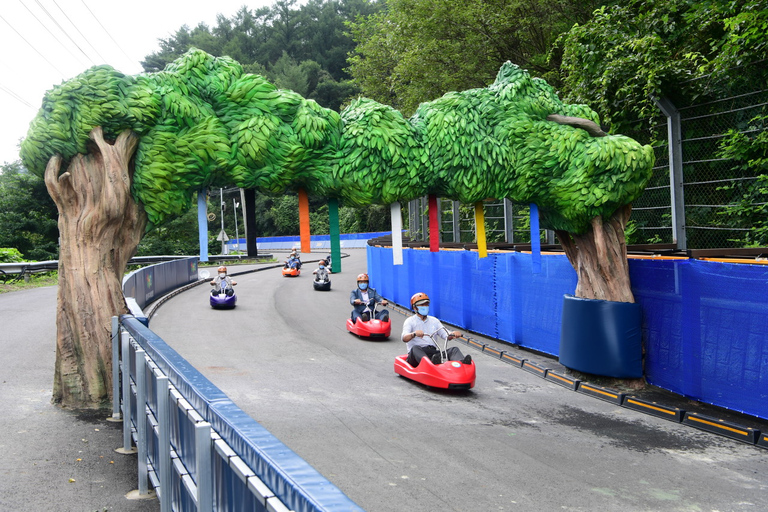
(9, 283)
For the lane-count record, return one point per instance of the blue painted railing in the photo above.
(196, 448)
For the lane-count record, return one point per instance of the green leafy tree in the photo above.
(748, 152)
(27, 214)
(627, 54)
(417, 49)
(299, 47)
(10, 255)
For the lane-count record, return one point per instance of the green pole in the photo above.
(333, 221)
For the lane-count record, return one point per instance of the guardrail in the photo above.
(24, 268)
(199, 450)
(196, 448)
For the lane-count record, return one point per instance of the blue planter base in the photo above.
(602, 337)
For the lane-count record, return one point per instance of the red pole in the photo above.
(434, 226)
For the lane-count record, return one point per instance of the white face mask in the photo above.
(423, 310)
(222, 275)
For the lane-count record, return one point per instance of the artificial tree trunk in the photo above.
(599, 257)
(100, 226)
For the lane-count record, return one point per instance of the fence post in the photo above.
(125, 403)
(141, 421)
(456, 220)
(115, 370)
(204, 474)
(677, 200)
(164, 442)
(509, 222)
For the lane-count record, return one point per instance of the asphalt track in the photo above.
(514, 442)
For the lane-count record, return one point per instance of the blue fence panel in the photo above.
(726, 328)
(705, 324)
(540, 298)
(656, 287)
(490, 296)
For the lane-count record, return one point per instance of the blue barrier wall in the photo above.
(705, 324)
(152, 282)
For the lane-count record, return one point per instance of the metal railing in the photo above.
(195, 447)
(179, 453)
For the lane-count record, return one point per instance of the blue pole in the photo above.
(202, 224)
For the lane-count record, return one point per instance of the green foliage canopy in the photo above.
(203, 122)
(629, 53)
(414, 50)
(28, 215)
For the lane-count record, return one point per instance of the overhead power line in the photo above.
(79, 32)
(32, 46)
(107, 32)
(51, 33)
(64, 31)
(15, 96)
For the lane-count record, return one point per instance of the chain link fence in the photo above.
(705, 199)
(717, 191)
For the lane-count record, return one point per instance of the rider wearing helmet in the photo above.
(294, 260)
(419, 345)
(362, 299)
(223, 277)
(321, 272)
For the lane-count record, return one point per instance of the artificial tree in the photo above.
(122, 154)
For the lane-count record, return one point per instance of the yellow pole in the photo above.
(482, 249)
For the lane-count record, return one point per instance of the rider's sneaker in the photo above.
(436, 359)
(385, 317)
(365, 317)
(467, 359)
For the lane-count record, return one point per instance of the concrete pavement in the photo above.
(52, 458)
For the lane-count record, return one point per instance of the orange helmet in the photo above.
(418, 297)
(222, 269)
(362, 277)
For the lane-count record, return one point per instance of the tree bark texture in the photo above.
(599, 257)
(100, 226)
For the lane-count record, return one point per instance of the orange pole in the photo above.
(304, 221)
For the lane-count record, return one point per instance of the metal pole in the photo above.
(126, 402)
(221, 206)
(141, 421)
(509, 222)
(204, 473)
(115, 369)
(164, 442)
(677, 200)
(237, 233)
(456, 214)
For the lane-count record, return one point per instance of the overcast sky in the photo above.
(45, 42)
